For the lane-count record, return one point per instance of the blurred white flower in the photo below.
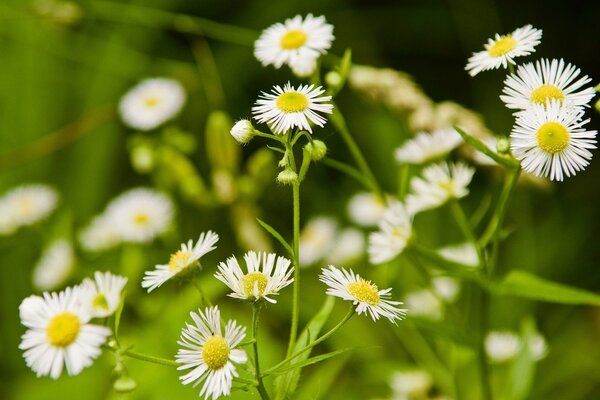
(317, 239)
(151, 102)
(296, 42)
(105, 293)
(348, 248)
(462, 253)
(538, 347)
(425, 147)
(55, 265)
(446, 288)
(58, 332)
(25, 205)
(287, 108)
(366, 209)
(502, 346)
(139, 215)
(501, 50)
(425, 304)
(99, 235)
(410, 384)
(395, 230)
(266, 276)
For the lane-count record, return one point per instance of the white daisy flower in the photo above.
(365, 209)
(316, 239)
(546, 80)
(151, 102)
(99, 235)
(266, 276)
(502, 346)
(462, 253)
(284, 109)
(550, 140)
(440, 183)
(140, 215)
(395, 230)
(425, 147)
(189, 255)
(410, 384)
(105, 293)
(25, 205)
(501, 50)
(59, 333)
(348, 248)
(362, 293)
(425, 304)
(209, 353)
(296, 42)
(55, 265)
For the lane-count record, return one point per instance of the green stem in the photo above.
(404, 181)
(150, 359)
(465, 227)
(340, 123)
(203, 298)
(260, 387)
(209, 74)
(350, 171)
(483, 365)
(289, 358)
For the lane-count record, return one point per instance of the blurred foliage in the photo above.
(62, 73)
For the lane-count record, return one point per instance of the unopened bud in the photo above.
(503, 146)
(124, 384)
(287, 177)
(317, 150)
(243, 131)
(598, 105)
(142, 159)
(333, 79)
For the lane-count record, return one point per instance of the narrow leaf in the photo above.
(311, 360)
(276, 235)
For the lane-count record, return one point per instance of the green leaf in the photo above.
(309, 361)
(276, 235)
(286, 384)
(523, 284)
(482, 147)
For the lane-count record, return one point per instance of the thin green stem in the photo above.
(465, 227)
(350, 171)
(150, 359)
(209, 74)
(309, 346)
(260, 387)
(404, 180)
(484, 324)
(203, 297)
(340, 123)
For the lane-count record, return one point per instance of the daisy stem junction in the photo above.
(260, 387)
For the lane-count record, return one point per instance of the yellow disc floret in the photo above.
(502, 46)
(547, 92)
(215, 352)
(553, 137)
(141, 218)
(291, 102)
(150, 102)
(178, 260)
(293, 40)
(253, 279)
(364, 291)
(62, 330)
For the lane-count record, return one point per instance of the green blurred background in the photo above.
(52, 73)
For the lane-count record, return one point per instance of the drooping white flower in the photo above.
(59, 333)
(425, 147)
(151, 103)
(463, 253)
(425, 304)
(181, 261)
(210, 353)
(440, 183)
(55, 265)
(140, 215)
(501, 346)
(266, 275)
(297, 42)
(287, 108)
(105, 293)
(551, 141)
(366, 209)
(99, 235)
(501, 50)
(349, 247)
(364, 294)
(395, 230)
(242, 131)
(317, 239)
(25, 205)
(410, 384)
(546, 80)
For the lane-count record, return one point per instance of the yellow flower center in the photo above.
(254, 278)
(100, 301)
(291, 102)
(178, 259)
(63, 329)
(150, 102)
(547, 92)
(364, 291)
(293, 40)
(215, 352)
(26, 205)
(553, 137)
(502, 46)
(141, 219)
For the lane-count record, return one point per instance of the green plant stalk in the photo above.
(309, 346)
(465, 227)
(260, 387)
(150, 359)
(340, 123)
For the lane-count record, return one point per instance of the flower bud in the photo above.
(334, 80)
(503, 145)
(243, 131)
(142, 159)
(287, 177)
(598, 106)
(317, 150)
(124, 384)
